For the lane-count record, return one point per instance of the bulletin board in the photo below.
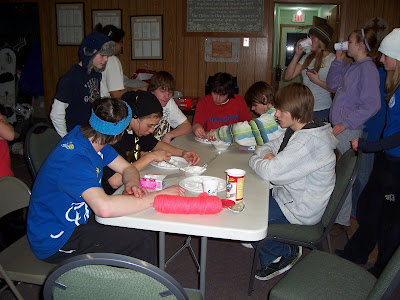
(70, 23)
(147, 37)
(107, 17)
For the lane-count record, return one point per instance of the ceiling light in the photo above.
(299, 12)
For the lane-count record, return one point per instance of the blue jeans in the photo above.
(271, 250)
(323, 115)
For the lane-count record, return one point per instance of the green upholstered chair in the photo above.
(312, 236)
(320, 275)
(112, 276)
(17, 262)
(39, 142)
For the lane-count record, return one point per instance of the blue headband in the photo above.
(110, 128)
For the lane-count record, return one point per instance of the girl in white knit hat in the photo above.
(378, 207)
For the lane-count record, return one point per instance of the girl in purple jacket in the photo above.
(378, 208)
(357, 96)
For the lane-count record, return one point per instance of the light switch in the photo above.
(246, 42)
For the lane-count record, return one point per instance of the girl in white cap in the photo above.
(378, 207)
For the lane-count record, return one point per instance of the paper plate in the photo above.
(195, 183)
(166, 166)
(203, 141)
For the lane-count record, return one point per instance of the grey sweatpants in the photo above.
(345, 144)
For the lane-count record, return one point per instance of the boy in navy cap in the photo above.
(80, 85)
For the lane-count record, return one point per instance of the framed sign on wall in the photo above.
(147, 37)
(223, 18)
(107, 17)
(70, 23)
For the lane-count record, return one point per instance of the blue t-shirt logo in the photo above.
(74, 213)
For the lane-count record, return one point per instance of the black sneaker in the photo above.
(281, 266)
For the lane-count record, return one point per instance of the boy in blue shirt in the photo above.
(68, 189)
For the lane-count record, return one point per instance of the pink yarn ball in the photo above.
(203, 204)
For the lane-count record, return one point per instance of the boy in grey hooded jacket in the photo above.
(301, 165)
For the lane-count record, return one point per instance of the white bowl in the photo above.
(220, 145)
(194, 170)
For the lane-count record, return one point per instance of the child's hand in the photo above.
(211, 135)
(136, 191)
(313, 76)
(199, 131)
(338, 129)
(354, 144)
(160, 155)
(269, 156)
(191, 156)
(340, 55)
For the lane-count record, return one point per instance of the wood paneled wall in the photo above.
(184, 56)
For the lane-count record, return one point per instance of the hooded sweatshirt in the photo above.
(303, 173)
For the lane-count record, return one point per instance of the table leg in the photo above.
(161, 250)
(203, 261)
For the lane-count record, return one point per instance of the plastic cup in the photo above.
(235, 184)
(306, 43)
(210, 186)
(342, 46)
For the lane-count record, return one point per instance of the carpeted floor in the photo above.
(228, 262)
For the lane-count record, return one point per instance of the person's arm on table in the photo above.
(108, 206)
(200, 119)
(129, 176)
(182, 129)
(284, 167)
(115, 180)
(189, 156)
(199, 131)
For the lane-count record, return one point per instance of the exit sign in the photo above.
(298, 18)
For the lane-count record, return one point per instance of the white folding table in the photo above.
(249, 225)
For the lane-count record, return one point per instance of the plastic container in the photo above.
(220, 145)
(235, 184)
(194, 170)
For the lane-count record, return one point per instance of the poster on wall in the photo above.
(107, 17)
(70, 23)
(147, 37)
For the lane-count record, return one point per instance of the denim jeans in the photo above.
(323, 115)
(271, 250)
